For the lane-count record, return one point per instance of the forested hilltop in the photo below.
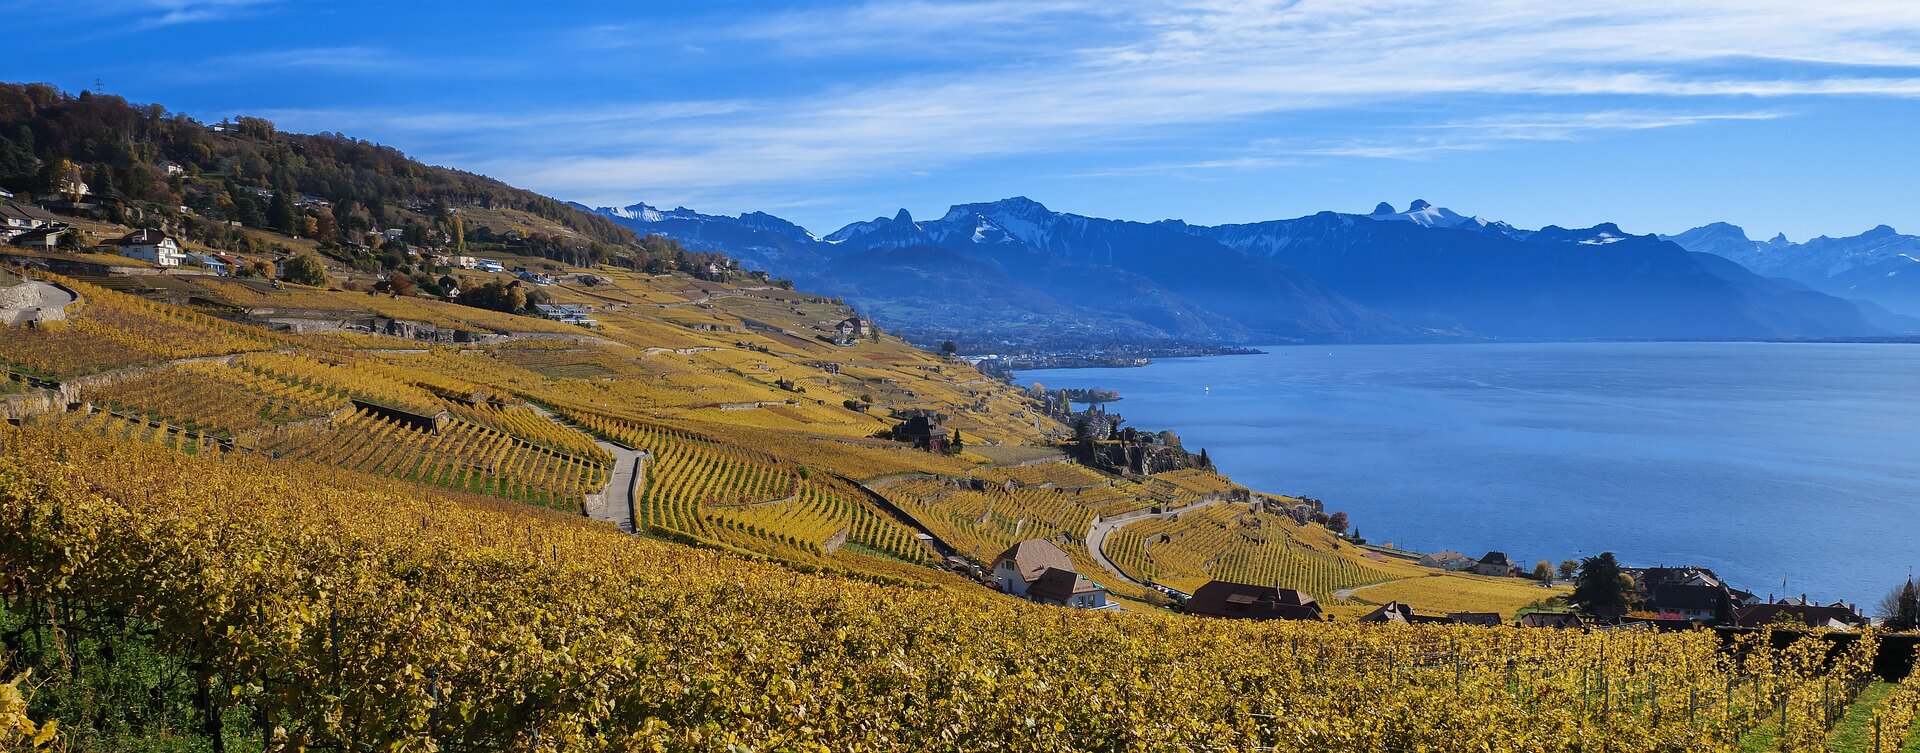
(141, 165)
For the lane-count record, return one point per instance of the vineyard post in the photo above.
(433, 692)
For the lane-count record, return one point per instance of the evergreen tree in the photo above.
(281, 215)
(18, 166)
(1600, 588)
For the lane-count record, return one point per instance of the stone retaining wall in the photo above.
(25, 295)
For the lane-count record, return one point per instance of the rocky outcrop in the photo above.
(1135, 458)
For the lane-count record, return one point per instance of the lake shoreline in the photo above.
(1560, 450)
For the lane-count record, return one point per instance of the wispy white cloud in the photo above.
(315, 58)
(936, 84)
(1424, 141)
(170, 12)
(1480, 134)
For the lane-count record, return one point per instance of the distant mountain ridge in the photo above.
(1880, 265)
(1014, 272)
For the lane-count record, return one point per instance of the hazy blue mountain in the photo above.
(1494, 280)
(1881, 265)
(1130, 267)
(1014, 271)
(757, 238)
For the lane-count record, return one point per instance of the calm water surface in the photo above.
(1762, 461)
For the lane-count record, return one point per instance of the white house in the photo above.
(1023, 563)
(150, 246)
(564, 313)
(1037, 570)
(1449, 560)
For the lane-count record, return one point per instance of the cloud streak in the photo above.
(939, 84)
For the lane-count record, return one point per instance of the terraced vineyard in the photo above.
(109, 330)
(699, 487)
(275, 578)
(984, 521)
(215, 398)
(463, 456)
(1229, 542)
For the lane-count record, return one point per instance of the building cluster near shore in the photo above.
(1666, 597)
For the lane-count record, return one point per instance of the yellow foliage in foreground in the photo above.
(358, 612)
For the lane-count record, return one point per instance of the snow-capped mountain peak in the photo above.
(1423, 213)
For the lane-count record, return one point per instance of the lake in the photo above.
(1762, 461)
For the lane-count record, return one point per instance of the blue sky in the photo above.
(1781, 116)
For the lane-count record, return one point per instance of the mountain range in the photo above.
(1013, 273)
(1880, 265)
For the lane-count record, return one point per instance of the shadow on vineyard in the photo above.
(106, 675)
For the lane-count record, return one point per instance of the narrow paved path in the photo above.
(624, 484)
(1097, 534)
(52, 296)
(1347, 593)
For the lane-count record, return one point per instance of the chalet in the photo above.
(1561, 620)
(924, 431)
(1483, 619)
(43, 239)
(1066, 588)
(451, 287)
(18, 218)
(148, 245)
(1496, 564)
(1694, 594)
(711, 272)
(1837, 616)
(1247, 602)
(1448, 560)
(489, 265)
(1017, 568)
(854, 327)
